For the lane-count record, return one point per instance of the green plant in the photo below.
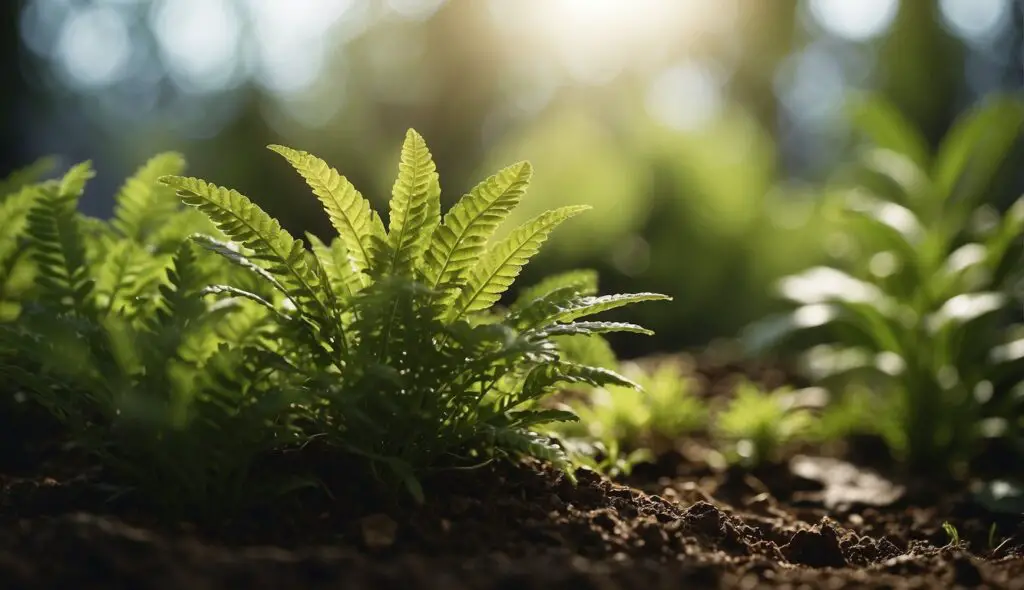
(664, 408)
(952, 534)
(396, 332)
(758, 424)
(615, 419)
(113, 333)
(919, 307)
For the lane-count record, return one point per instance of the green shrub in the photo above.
(408, 361)
(921, 306)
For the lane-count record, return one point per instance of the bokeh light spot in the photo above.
(975, 20)
(854, 20)
(685, 97)
(199, 40)
(94, 47)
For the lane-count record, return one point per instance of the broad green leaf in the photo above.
(414, 208)
(883, 123)
(357, 224)
(493, 275)
(976, 147)
(462, 238)
(143, 204)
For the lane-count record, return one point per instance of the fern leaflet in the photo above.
(468, 226)
(415, 206)
(493, 275)
(142, 204)
(356, 222)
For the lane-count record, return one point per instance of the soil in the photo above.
(813, 522)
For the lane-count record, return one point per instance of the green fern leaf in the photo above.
(591, 328)
(124, 273)
(72, 184)
(235, 257)
(57, 243)
(468, 226)
(142, 205)
(13, 218)
(356, 222)
(345, 281)
(415, 206)
(494, 274)
(297, 271)
(553, 309)
(580, 281)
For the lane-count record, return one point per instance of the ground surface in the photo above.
(813, 523)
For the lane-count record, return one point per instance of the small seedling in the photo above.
(758, 424)
(952, 534)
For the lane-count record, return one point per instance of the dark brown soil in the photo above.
(812, 523)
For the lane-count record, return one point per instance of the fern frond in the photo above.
(357, 224)
(57, 244)
(142, 204)
(591, 328)
(554, 308)
(414, 208)
(295, 268)
(73, 182)
(233, 256)
(23, 177)
(124, 273)
(522, 443)
(13, 219)
(581, 282)
(494, 274)
(469, 225)
(345, 281)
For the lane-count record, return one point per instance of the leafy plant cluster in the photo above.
(180, 344)
(621, 427)
(921, 314)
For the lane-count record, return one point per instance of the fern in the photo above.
(142, 205)
(57, 244)
(359, 227)
(297, 271)
(494, 274)
(427, 373)
(415, 206)
(463, 236)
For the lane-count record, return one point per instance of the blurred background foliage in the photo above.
(701, 131)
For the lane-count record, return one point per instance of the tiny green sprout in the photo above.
(646, 420)
(758, 424)
(992, 537)
(951, 533)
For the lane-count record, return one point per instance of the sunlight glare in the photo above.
(596, 39)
